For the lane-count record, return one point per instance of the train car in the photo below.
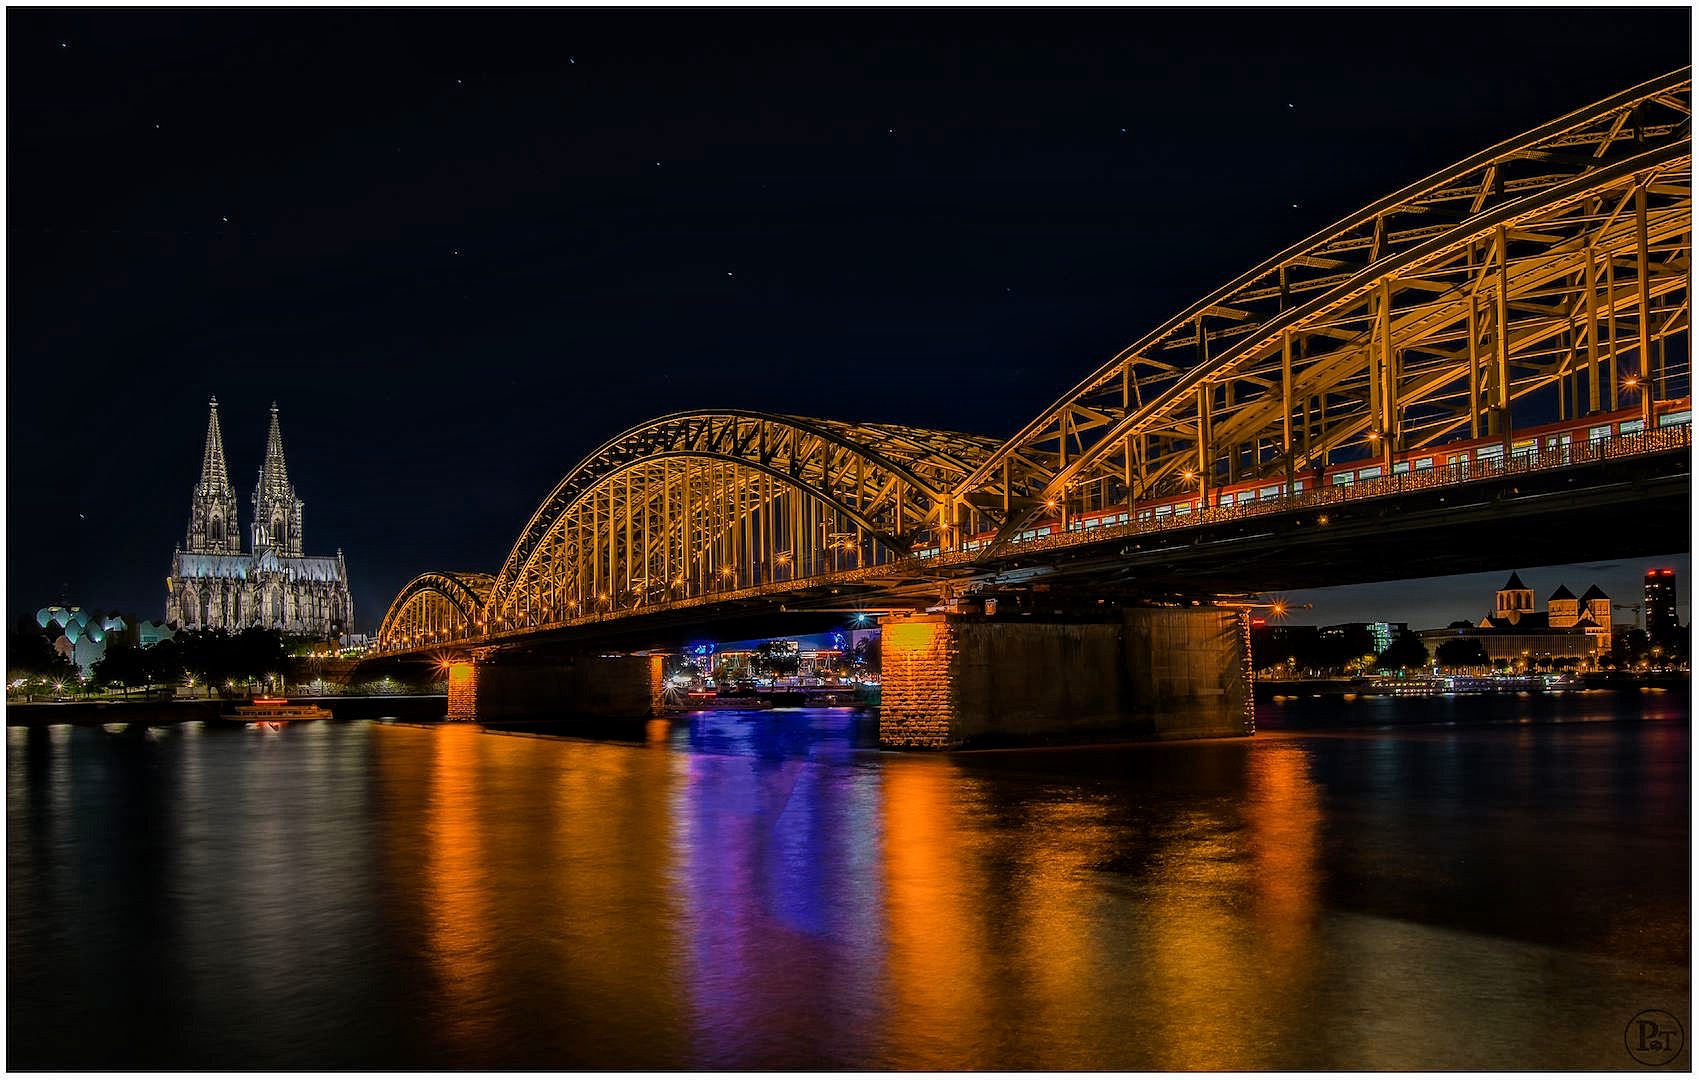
(1487, 454)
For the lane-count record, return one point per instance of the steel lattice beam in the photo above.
(696, 502)
(1553, 259)
(437, 606)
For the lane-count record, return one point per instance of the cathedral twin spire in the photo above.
(277, 512)
(212, 512)
(215, 475)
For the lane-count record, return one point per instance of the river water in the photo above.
(1447, 883)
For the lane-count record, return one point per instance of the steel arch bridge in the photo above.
(436, 607)
(694, 505)
(1544, 278)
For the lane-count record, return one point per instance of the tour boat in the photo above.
(274, 711)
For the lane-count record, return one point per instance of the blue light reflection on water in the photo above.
(767, 890)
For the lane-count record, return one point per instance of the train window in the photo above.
(1490, 453)
(1343, 479)
(1183, 508)
(1424, 463)
(1270, 492)
(1399, 468)
(1523, 448)
(1629, 427)
(1372, 473)
(1671, 419)
(1245, 497)
(1602, 431)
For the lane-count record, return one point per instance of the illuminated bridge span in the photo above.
(437, 607)
(1524, 313)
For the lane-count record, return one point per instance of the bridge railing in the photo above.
(1636, 444)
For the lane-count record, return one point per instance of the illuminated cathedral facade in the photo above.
(214, 584)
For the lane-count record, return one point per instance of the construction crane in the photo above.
(1630, 607)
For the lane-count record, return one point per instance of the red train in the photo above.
(1487, 452)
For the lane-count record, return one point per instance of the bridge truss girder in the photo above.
(699, 503)
(436, 607)
(1545, 272)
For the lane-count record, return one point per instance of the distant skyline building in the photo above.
(213, 584)
(1571, 626)
(1663, 626)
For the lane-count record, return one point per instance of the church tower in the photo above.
(212, 512)
(277, 512)
(1514, 600)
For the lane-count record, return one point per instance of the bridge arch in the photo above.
(1546, 275)
(691, 504)
(436, 607)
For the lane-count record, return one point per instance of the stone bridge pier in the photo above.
(1158, 673)
(489, 686)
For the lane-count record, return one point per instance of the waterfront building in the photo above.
(1369, 637)
(214, 584)
(1663, 627)
(1577, 627)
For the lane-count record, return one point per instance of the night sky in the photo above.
(461, 249)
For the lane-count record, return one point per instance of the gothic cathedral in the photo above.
(215, 585)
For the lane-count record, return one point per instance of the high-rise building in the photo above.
(214, 584)
(1662, 626)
